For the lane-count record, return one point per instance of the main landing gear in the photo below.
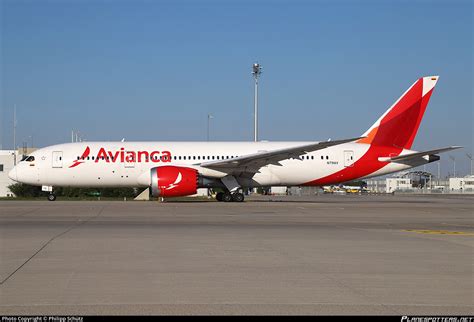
(228, 197)
(51, 197)
(233, 190)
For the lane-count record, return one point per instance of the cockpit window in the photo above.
(24, 157)
(30, 159)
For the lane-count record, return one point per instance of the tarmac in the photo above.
(326, 254)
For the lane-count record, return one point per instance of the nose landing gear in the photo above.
(51, 196)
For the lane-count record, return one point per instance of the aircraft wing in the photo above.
(251, 163)
(426, 155)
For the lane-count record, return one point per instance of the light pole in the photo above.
(439, 171)
(14, 134)
(209, 117)
(469, 156)
(256, 72)
(454, 163)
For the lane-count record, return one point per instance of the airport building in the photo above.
(279, 190)
(7, 161)
(420, 182)
(376, 185)
(460, 185)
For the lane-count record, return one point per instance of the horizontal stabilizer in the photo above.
(424, 154)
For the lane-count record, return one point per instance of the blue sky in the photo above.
(153, 70)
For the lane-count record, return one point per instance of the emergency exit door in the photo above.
(57, 159)
(348, 158)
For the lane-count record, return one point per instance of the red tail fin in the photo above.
(399, 124)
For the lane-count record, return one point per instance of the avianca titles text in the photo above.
(124, 156)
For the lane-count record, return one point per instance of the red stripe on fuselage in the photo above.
(365, 166)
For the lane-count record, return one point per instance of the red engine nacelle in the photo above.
(170, 181)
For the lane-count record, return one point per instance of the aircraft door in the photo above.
(57, 159)
(348, 158)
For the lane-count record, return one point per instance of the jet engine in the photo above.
(171, 181)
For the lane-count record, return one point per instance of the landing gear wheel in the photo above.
(51, 197)
(238, 197)
(219, 196)
(227, 197)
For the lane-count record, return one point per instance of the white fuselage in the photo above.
(110, 164)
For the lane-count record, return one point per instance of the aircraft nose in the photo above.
(12, 174)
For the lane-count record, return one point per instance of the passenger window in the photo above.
(212, 157)
(312, 157)
(327, 157)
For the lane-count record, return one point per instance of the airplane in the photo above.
(172, 169)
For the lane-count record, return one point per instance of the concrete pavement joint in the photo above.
(49, 242)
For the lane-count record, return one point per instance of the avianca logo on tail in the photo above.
(123, 156)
